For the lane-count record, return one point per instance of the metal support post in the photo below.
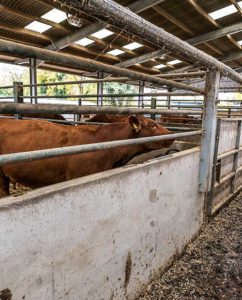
(216, 169)
(100, 89)
(141, 91)
(153, 106)
(33, 79)
(209, 131)
(18, 95)
(78, 116)
(169, 90)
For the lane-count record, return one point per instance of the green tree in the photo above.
(119, 88)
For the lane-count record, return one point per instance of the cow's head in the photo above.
(145, 127)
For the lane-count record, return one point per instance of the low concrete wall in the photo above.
(102, 236)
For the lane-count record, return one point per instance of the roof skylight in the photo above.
(85, 42)
(101, 34)
(223, 12)
(38, 26)
(160, 66)
(133, 46)
(115, 52)
(55, 15)
(174, 62)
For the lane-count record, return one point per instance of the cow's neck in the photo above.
(117, 131)
(121, 131)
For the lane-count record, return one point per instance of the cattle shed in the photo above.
(105, 235)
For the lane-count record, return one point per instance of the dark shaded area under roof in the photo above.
(185, 19)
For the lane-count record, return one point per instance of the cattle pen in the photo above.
(106, 235)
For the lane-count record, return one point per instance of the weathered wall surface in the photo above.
(102, 236)
(227, 142)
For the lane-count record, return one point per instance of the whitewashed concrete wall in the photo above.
(102, 236)
(228, 133)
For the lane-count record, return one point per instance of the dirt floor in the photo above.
(211, 267)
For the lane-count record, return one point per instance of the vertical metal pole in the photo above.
(100, 89)
(209, 204)
(78, 116)
(153, 106)
(209, 130)
(229, 112)
(18, 95)
(236, 157)
(169, 90)
(141, 91)
(33, 79)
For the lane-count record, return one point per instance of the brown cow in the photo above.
(108, 118)
(29, 135)
(178, 118)
(40, 116)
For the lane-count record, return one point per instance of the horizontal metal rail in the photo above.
(231, 119)
(229, 153)
(117, 95)
(6, 87)
(24, 108)
(108, 79)
(225, 178)
(7, 159)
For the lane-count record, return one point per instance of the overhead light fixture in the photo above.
(240, 42)
(74, 20)
(85, 42)
(115, 52)
(133, 46)
(101, 34)
(55, 15)
(160, 66)
(174, 62)
(38, 27)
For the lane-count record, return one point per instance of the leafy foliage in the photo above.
(118, 88)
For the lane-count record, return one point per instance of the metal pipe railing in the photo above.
(87, 64)
(229, 153)
(6, 159)
(116, 95)
(24, 108)
(6, 87)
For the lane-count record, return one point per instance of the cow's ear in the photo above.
(135, 123)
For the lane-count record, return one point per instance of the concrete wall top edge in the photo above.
(13, 202)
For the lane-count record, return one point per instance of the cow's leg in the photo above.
(4, 184)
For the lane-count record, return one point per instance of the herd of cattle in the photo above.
(30, 135)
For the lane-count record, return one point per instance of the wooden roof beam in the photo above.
(202, 12)
(121, 17)
(232, 56)
(137, 7)
(32, 17)
(142, 5)
(184, 27)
